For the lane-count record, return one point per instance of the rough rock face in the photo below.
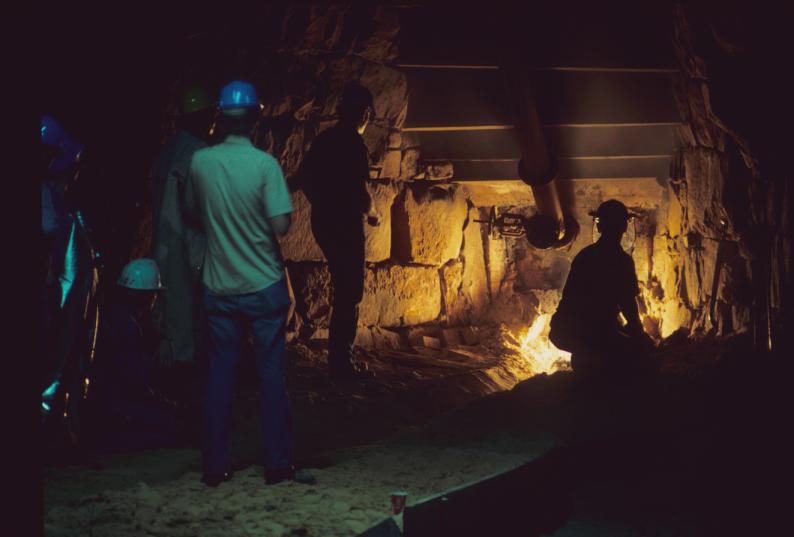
(429, 262)
(378, 239)
(496, 264)
(400, 296)
(311, 284)
(704, 237)
(427, 224)
(454, 301)
(299, 243)
(321, 47)
(475, 282)
(366, 30)
(465, 281)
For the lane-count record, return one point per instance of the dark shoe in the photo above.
(301, 476)
(352, 371)
(213, 480)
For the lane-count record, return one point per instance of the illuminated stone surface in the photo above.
(409, 166)
(311, 283)
(393, 295)
(455, 303)
(391, 164)
(475, 283)
(299, 243)
(378, 238)
(439, 170)
(428, 224)
(400, 296)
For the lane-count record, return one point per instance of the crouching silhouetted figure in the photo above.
(128, 413)
(601, 285)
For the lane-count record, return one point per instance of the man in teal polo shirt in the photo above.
(238, 195)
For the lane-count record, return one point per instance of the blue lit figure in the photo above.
(71, 313)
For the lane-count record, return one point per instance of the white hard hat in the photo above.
(141, 274)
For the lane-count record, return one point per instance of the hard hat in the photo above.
(68, 150)
(194, 99)
(612, 211)
(237, 95)
(141, 274)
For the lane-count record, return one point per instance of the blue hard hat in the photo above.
(68, 149)
(238, 94)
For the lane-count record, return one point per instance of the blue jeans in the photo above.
(265, 313)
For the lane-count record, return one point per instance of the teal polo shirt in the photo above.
(234, 188)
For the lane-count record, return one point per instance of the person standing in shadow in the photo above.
(334, 177)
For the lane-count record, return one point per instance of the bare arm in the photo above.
(628, 300)
(628, 306)
(280, 224)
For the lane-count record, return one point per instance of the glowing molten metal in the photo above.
(534, 346)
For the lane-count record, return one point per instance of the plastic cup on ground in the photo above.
(398, 502)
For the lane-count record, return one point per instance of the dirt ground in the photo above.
(659, 459)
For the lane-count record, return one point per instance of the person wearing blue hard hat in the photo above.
(237, 194)
(237, 97)
(176, 247)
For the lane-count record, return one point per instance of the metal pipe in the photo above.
(537, 168)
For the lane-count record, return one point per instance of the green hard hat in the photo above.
(194, 99)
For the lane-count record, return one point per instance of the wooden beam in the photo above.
(636, 70)
(460, 128)
(477, 97)
(563, 141)
(506, 169)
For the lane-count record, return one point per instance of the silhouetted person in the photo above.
(173, 241)
(334, 177)
(601, 285)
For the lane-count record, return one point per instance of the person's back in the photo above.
(238, 194)
(237, 188)
(602, 277)
(337, 168)
(602, 283)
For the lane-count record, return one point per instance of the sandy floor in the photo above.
(159, 493)
(645, 463)
(350, 497)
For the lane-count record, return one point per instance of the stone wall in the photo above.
(425, 260)
(731, 232)
(431, 265)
